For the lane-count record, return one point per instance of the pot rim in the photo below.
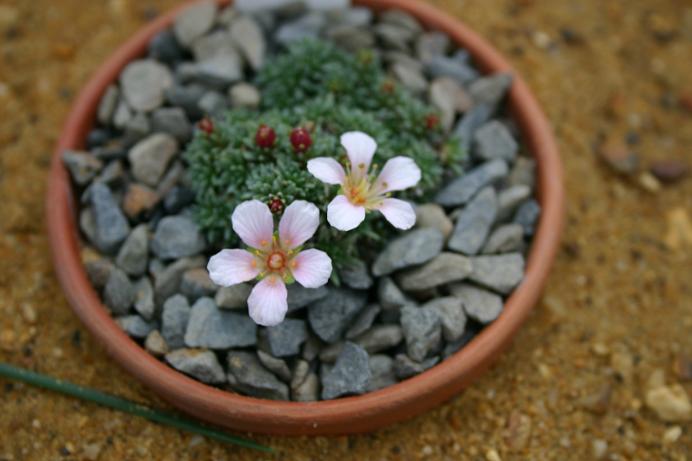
(354, 414)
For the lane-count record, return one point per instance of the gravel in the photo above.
(286, 338)
(462, 189)
(505, 239)
(411, 249)
(83, 166)
(196, 284)
(172, 121)
(404, 367)
(119, 293)
(422, 329)
(490, 90)
(177, 237)
(174, 319)
(445, 268)
(330, 316)
(493, 141)
(246, 374)
(135, 326)
(364, 321)
(248, 37)
(277, 366)
(134, 253)
(299, 296)
(143, 84)
(434, 216)
(144, 298)
(218, 329)
(110, 225)
(509, 199)
(381, 371)
(380, 338)
(350, 375)
(500, 273)
(527, 215)
(474, 223)
(450, 310)
(481, 305)
(155, 344)
(194, 21)
(357, 276)
(150, 157)
(233, 297)
(200, 364)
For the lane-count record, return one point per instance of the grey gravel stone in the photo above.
(135, 326)
(167, 281)
(364, 321)
(350, 375)
(134, 252)
(462, 189)
(330, 316)
(277, 366)
(113, 174)
(150, 157)
(248, 37)
(196, 284)
(244, 95)
(144, 298)
(356, 16)
(137, 127)
(411, 249)
(177, 237)
(173, 121)
(523, 173)
(411, 77)
(405, 368)
(107, 105)
(301, 369)
(299, 296)
(382, 371)
(431, 44)
(219, 70)
(164, 47)
(469, 123)
(391, 298)
(490, 90)
(331, 352)
(445, 268)
(119, 293)
(422, 330)
(198, 363)
(174, 319)
(500, 273)
(186, 97)
(481, 305)
(452, 347)
(350, 38)
(509, 199)
(218, 329)
(155, 344)
(110, 225)
(98, 270)
(527, 215)
(213, 103)
(178, 198)
(194, 21)
(380, 338)
(143, 83)
(450, 309)
(233, 297)
(505, 239)
(305, 27)
(494, 141)
(443, 66)
(449, 98)
(122, 114)
(311, 348)
(83, 166)
(214, 44)
(308, 390)
(433, 215)
(286, 338)
(357, 276)
(474, 223)
(247, 375)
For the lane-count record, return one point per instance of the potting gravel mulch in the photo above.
(394, 313)
(600, 371)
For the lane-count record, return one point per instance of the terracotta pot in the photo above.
(345, 415)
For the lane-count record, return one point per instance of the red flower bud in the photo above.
(206, 125)
(265, 137)
(432, 121)
(276, 205)
(300, 139)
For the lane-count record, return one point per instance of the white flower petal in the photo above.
(311, 268)
(327, 170)
(298, 224)
(268, 303)
(230, 267)
(399, 173)
(254, 224)
(360, 148)
(344, 215)
(399, 213)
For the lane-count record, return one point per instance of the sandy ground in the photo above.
(618, 306)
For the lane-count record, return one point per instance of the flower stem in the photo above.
(126, 406)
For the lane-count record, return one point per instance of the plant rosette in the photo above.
(340, 207)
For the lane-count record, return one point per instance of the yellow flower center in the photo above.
(276, 261)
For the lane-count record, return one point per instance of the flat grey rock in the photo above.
(422, 330)
(247, 375)
(307, 390)
(405, 367)
(447, 267)
(380, 338)
(164, 47)
(462, 189)
(286, 338)
(468, 124)
(410, 77)
(431, 44)
(233, 297)
(196, 284)
(350, 375)
(150, 157)
(110, 224)
(481, 305)
(167, 280)
(175, 316)
(135, 326)
(144, 298)
(382, 372)
(119, 293)
(155, 344)
(177, 237)
(450, 309)
(330, 316)
(494, 141)
(443, 66)
(244, 95)
(410, 249)
(474, 223)
(200, 364)
(433, 215)
(143, 83)
(364, 321)
(527, 216)
(505, 239)
(276, 365)
(134, 252)
(299, 296)
(219, 70)
(98, 270)
(305, 27)
(107, 105)
(356, 275)
(173, 121)
(217, 329)
(509, 199)
(83, 166)
(213, 44)
(194, 21)
(500, 273)
(523, 172)
(490, 90)
(186, 97)
(249, 39)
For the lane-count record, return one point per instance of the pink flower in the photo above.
(275, 259)
(360, 191)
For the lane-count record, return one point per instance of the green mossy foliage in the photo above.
(329, 92)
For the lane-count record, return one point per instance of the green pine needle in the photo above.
(126, 406)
